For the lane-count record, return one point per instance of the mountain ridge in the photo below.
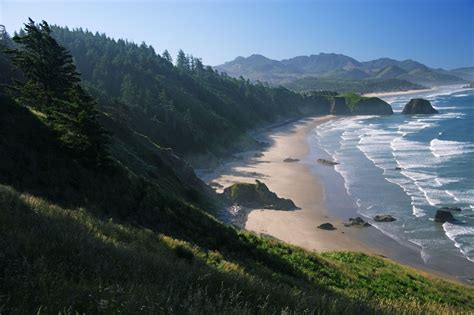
(340, 67)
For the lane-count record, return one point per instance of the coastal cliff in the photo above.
(353, 104)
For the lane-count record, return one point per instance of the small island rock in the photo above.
(418, 106)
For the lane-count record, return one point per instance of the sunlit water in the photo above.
(435, 154)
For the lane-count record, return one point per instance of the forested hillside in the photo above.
(188, 107)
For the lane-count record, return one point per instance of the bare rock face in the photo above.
(418, 106)
(443, 216)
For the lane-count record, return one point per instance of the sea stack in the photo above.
(418, 106)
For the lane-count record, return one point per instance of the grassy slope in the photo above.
(59, 259)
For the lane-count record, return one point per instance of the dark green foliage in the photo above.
(188, 107)
(51, 87)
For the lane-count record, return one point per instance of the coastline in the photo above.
(299, 182)
(396, 93)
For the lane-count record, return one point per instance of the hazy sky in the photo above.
(439, 33)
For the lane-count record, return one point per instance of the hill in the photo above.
(336, 67)
(134, 230)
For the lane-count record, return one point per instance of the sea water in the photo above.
(409, 166)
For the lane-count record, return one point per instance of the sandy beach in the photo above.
(290, 180)
(295, 180)
(407, 92)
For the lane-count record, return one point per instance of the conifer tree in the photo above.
(166, 55)
(51, 85)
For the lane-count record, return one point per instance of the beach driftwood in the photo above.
(290, 160)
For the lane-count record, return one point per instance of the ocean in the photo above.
(408, 167)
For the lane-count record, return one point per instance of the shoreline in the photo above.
(396, 93)
(299, 182)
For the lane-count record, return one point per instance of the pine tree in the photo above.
(182, 62)
(52, 86)
(166, 55)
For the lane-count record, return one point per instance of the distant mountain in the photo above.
(329, 67)
(466, 73)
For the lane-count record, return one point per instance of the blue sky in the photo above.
(439, 33)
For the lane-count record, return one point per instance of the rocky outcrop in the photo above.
(443, 216)
(353, 104)
(372, 106)
(339, 106)
(384, 218)
(418, 106)
(358, 221)
(327, 162)
(326, 226)
(256, 196)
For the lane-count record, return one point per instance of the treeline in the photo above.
(186, 106)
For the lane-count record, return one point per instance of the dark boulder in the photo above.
(289, 160)
(418, 106)
(326, 226)
(327, 162)
(443, 216)
(384, 218)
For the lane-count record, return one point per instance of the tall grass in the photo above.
(55, 259)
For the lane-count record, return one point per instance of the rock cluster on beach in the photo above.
(384, 218)
(418, 106)
(358, 221)
(256, 196)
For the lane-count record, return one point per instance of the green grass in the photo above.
(352, 99)
(55, 259)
